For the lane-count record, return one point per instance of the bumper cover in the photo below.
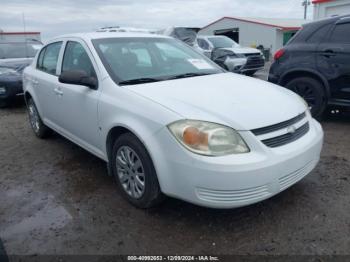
(13, 89)
(236, 180)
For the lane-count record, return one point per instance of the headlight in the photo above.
(7, 71)
(2, 90)
(207, 138)
(308, 108)
(235, 55)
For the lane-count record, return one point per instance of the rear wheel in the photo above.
(39, 128)
(134, 172)
(312, 91)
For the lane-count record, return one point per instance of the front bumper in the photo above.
(235, 180)
(254, 63)
(13, 89)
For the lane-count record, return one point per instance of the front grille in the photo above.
(287, 138)
(290, 179)
(232, 196)
(252, 54)
(269, 129)
(254, 62)
(284, 132)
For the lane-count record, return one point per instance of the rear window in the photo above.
(341, 34)
(19, 50)
(319, 35)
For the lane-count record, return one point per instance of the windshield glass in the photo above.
(151, 59)
(222, 42)
(18, 50)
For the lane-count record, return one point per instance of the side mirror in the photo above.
(78, 77)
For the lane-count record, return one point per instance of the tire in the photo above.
(37, 125)
(131, 172)
(250, 73)
(313, 93)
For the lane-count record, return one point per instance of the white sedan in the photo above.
(168, 121)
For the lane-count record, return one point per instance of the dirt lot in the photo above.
(56, 198)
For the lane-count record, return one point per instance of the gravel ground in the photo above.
(55, 198)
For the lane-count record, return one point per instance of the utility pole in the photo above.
(305, 4)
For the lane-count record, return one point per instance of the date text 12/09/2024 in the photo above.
(173, 258)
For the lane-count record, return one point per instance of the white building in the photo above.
(19, 36)
(329, 8)
(272, 33)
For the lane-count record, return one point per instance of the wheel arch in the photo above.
(119, 129)
(292, 74)
(27, 96)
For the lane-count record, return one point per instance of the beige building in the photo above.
(272, 33)
(329, 8)
(19, 36)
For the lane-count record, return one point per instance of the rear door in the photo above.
(46, 83)
(334, 60)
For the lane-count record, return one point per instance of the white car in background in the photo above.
(230, 55)
(169, 121)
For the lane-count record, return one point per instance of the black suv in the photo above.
(316, 64)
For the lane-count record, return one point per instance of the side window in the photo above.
(48, 58)
(39, 64)
(76, 58)
(341, 34)
(203, 44)
(319, 35)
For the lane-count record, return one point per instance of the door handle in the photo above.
(58, 91)
(328, 53)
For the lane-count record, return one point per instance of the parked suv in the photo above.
(168, 120)
(316, 64)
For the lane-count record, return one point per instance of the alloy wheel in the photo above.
(130, 172)
(306, 92)
(34, 117)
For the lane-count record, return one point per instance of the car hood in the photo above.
(243, 50)
(241, 102)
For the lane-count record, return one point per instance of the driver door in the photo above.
(79, 103)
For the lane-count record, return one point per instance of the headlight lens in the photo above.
(207, 138)
(2, 90)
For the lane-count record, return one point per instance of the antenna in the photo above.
(24, 36)
(305, 4)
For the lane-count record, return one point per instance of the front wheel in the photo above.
(37, 125)
(250, 73)
(312, 91)
(134, 172)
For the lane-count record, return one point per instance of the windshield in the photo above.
(222, 42)
(151, 59)
(18, 50)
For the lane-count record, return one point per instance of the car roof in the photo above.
(101, 35)
(327, 20)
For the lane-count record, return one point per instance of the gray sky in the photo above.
(55, 17)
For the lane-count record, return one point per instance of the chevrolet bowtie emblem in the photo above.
(291, 129)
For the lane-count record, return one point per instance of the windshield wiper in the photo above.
(139, 81)
(187, 75)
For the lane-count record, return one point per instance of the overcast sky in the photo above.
(55, 17)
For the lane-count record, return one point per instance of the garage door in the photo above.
(338, 10)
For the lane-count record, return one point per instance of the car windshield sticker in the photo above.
(200, 64)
